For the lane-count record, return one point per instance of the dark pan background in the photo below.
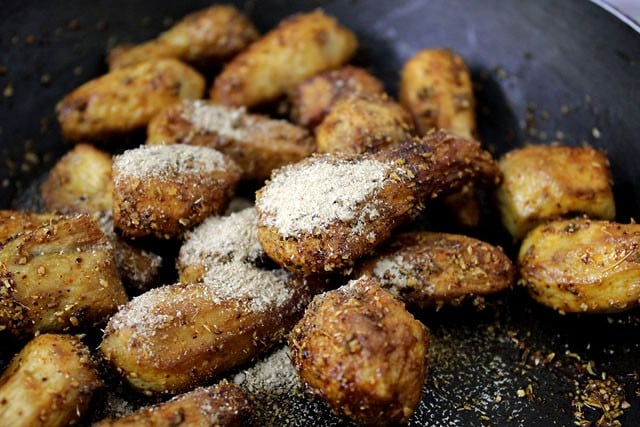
(543, 70)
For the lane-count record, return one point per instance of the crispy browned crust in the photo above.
(363, 353)
(582, 265)
(58, 276)
(312, 99)
(13, 223)
(125, 100)
(437, 163)
(222, 405)
(80, 182)
(359, 124)
(258, 145)
(197, 338)
(427, 269)
(201, 38)
(49, 383)
(299, 47)
(166, 206)
(435, 87)
(548, 182)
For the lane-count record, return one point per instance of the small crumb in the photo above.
(3, 70)
(521, 393)
(29, 40)
(596, 133)
(45, 80)
(77, 71)
(8, 91)
(564, 110)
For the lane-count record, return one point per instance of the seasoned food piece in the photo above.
(125, 100)
(256, 143)
(314, 97)
(363, 353)
(16, 222)
(356, 125)
(582, 265)
(547, 182)
(165, 190)
(80, 182)
(230, 307)
(204, 38)
(426, 269)
(220, 405)
(435, 87)
(322, 214)
(49, 383)
(57, 276)
(301, 46)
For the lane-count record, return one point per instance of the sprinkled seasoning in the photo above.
(397, 275)
(162, 161)
(273, 375)
(308, 197)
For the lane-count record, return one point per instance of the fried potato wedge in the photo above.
(164, 190)
(125, 100)
(582, 265)
(359, 124)
(542, 183)
(313, 98)
(435, 87)
(220, 405)
(49, 383)
(322, 214)
(80, 182)
(256, 143)
(425, 269)
(228, 310)
(204, 38)
(298, 48)
(58, 276)
(360, 351)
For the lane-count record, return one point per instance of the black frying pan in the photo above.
(544, 70)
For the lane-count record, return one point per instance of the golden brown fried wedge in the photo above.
(165, 190)
(57, 276)
(314, 97)
(324, 213)
(203, 38)
(125, 100)
(362, 352)
(301, 46)
(49, 383)
(357, 124)
(435, 87)
(80, 182)
(256, 143)
(582, 265)
(16, 222)
(547, 182)
(172, 338)
(426, 269)
(220, 405)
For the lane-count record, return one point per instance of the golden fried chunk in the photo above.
(229, 309)
(165, 190)
(547, 182)
(80, 182)
(362, 352)
(220, 405)
(256, 143)
(582, 265)
(312, 99)
(57, 276)
(426, 269)
(125, 100)
(203, 38)
(357, 124)
(325, 212)
(435, 87)
(301, 46)
(49, 383)
(15, 222)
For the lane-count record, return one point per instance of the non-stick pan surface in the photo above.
(543, 70)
